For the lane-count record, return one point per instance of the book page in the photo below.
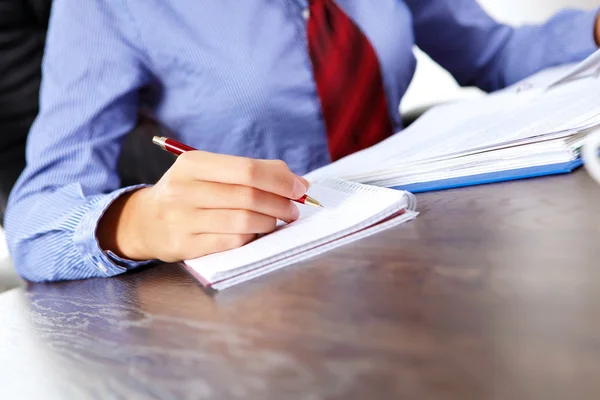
(347, 207)
(461, 127)
(589, 66)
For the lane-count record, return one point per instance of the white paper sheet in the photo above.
(349, 208)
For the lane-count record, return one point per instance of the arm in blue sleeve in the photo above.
(479, 51)
(88, 102)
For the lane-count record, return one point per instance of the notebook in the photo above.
(351, 211)
(535, 127)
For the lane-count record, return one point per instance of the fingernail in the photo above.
(295, 211)
(306, 183)
(299, 189)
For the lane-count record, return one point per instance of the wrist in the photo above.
(597, 30)
(121, 230)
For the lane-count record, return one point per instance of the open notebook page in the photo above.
(495, 119)
(388, 223)
(589, 66)
(349, 207)
(551, 77)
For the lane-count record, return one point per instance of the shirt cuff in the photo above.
(84, 238)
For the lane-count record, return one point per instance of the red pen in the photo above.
(174, 147)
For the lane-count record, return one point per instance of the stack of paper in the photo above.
(533, 128)
(351, 211)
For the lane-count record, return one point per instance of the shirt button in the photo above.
(306, 13)
(101, 267)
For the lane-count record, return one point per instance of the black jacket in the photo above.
(23, 25)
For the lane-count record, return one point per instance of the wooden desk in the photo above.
(492, 293)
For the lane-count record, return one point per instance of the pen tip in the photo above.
(312, 202)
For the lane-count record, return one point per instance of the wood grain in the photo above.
(492, 293)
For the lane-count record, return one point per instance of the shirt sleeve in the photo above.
(479, 51)
(88, 102)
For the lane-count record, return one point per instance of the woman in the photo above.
(246, 82)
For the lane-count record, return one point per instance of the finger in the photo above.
(272, 176)
(230, 221)
(211, 195)
(209, 243)
(306, 183)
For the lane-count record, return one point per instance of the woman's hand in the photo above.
(205, 203)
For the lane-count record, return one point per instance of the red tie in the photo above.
(348, 80)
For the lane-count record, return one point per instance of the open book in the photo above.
(351, 211)
(535, 127)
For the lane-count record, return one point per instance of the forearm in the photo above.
(480, 51)
(568, 37)
(52, 235)
(73, 147)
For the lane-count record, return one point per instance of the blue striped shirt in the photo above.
(235, 78)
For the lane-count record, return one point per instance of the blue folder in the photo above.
(531, 172)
